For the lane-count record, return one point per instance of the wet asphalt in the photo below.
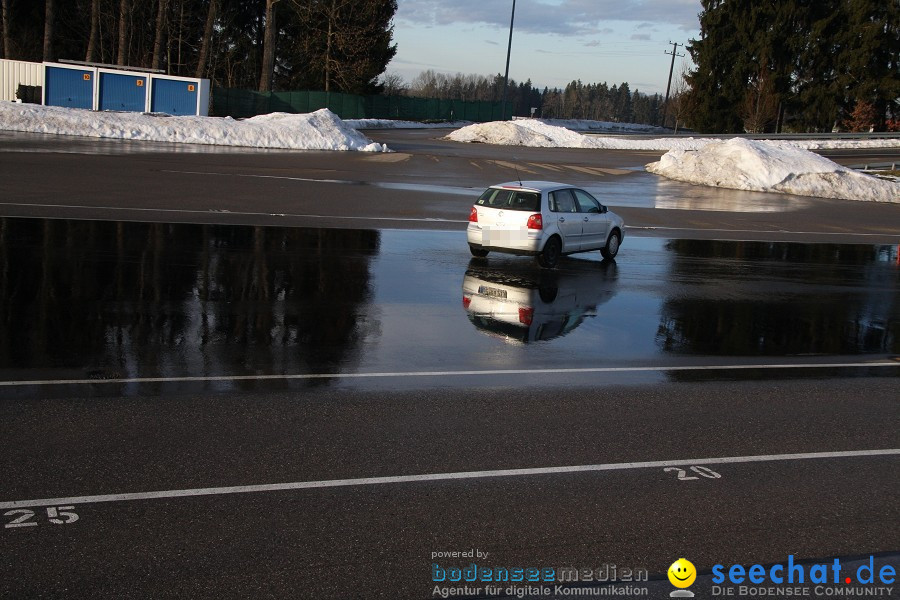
(170, 358)
(428, 183)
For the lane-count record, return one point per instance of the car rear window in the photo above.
(510, 199)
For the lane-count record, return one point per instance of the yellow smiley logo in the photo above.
(682, 573)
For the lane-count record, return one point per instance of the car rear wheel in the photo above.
(478, 252)
(612, 245)
(549, 256)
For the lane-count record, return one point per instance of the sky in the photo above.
(554, 41)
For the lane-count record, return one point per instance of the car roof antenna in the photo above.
(519, 177)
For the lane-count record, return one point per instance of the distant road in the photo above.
(427, 183)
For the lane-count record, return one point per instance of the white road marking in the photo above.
(229, 212)
(782, 231)
(466, 373)
(344, 181)
(305, 485)
(416, 187)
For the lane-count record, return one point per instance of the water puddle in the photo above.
(101, 301)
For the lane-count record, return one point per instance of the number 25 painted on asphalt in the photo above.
(58, 515)
(704, 471)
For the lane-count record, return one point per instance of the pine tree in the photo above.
(868, 56)
(816, 95)
(722, 55)
(815, 58)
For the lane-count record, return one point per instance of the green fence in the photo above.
(247, 103)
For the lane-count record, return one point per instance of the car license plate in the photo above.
(492, 292)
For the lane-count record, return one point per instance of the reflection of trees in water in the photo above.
(779, 298)
(138, 299)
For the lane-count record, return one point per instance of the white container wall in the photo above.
(14, 73)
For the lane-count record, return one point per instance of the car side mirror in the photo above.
(603, 209)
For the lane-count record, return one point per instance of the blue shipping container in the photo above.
(174, 97)
(119, 91)
(73, 88)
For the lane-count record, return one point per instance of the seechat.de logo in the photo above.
(682, 574)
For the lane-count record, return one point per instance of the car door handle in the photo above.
(562, 219)
(586, 219)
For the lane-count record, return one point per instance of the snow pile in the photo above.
(320, 130)
(392, 124)
(521, 132)
(744, 164)
(535, 133)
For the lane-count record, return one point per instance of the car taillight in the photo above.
(535, 221)
(526, 314)
(473, 215)
(466, 302)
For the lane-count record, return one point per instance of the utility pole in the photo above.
(674, 53)
(508, 52)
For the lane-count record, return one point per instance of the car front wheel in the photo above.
(549, 256)
(612, 245)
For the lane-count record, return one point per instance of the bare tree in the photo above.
(49, 20)
(331, 63)
(681, 102)
(94, 40)
(760, 106)
(207, 37)
(268, 61)
(394, 84)
(161, 23)
(4, 14)
(122, 55)
(325, 14)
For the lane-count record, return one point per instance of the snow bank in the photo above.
(744, 164)
(600, 126)
(536, 133)
(320, 130)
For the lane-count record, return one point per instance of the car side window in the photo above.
(586, 202)
(562, 201)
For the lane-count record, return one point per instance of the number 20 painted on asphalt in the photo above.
(58, 515)
(704, 471)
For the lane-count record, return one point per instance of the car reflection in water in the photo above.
(521, 303)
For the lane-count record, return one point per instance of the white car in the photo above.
(542, 219)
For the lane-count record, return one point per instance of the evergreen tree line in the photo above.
(802, 65)
(331, 45)
(597, 101)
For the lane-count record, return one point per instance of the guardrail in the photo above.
(884, 135)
